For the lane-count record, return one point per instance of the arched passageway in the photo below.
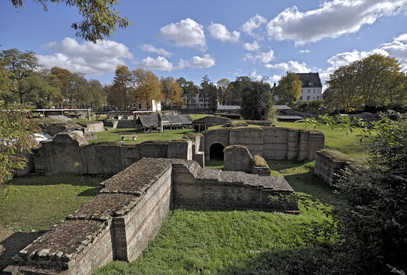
(216, 152)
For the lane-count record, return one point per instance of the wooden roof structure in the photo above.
(169, 121)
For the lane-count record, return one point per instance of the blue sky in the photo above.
(221, 39)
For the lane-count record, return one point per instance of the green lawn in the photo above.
(37, 203)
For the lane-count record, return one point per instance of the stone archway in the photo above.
(216, 152)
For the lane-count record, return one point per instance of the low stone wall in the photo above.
(215, 189)
(93, 127)
(238, 158)
(330, 163)
(118, 223)
(69, 154)
(274, 143)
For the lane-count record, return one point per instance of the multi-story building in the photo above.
(311, 87)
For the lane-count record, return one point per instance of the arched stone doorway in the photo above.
(216, 152)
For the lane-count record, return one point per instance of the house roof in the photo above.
(310, 80)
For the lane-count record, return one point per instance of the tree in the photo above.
(210, 93)
(223, 86)
(100, 17)
(148, 87)
(289, 88)
(95, 94)
(372, 207)
(16, 130)
(233, 94)
(189, 90)
(172, 92)
(374, 81)
(119, 93)
(256, 101)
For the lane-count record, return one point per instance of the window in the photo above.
(308, 97)
(309, 90)
(317, 97)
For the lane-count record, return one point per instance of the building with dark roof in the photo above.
(311, 87)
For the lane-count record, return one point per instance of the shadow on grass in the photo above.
(13, 244)
(310, 184)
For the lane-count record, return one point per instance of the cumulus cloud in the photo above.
(263, 58)
(253, 24)
(185, 33)
(332, 19)
(91, 59)
(156, 64)
(397, 49)
(292, 66)
(251, 47)
(152, 49)
(220, 32)
(206, 61)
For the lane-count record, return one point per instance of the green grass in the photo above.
(37, 203)
(347, 143)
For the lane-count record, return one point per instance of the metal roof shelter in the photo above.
(170, 121)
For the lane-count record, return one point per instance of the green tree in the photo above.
(256, 101)
(16, 130)
(189, 90)
(233, 94)
(95, 94)
(374, 81)
(210, 93)
(172, 92)
(100, 18)
(289, 88)
(118, 95)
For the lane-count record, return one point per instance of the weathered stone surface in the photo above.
(273, 143)
(118, 223)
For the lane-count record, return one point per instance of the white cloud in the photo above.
(186, 33)
(292, 66)
(206, 61)
(252, 47)
(263, 58)
(332, 19)
(156, 64)
(220, 32)
(304, 51)
(152, 49)
(397, 49)
(91, 59)
(253, 24)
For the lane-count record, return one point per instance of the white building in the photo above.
(311, 87)
(155, 106)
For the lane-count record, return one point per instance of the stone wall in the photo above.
(118, 223)
(66, 154)
(93, 127)
(237, 158)
(329, 164)
(273, 143)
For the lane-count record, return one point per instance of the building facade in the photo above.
(311, 87)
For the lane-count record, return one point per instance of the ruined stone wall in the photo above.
(237, 158)
(66, 154)
(117, 224)
(329, 164)
(215, 189)
(273, 143)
